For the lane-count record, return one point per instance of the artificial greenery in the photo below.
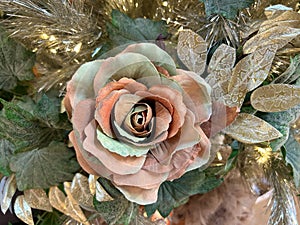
(16, 63)
(32, 136)
(44, 167)
(172, 194)
(226, 8)
(34, 127)
(293, 157)
(34, 132)
(117, 211)
(6, 151)
(125, 30)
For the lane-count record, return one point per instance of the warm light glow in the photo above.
(165, 3)
(77, 47)
(264, 154)
(52, 38)
(44, 36)
(219, 156)
(53, 50)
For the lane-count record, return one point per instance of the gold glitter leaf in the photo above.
(275, 97)
(37, 199)
(248, 74)
(72, 206)
(63, 34)
(250, 129)
(286, 18)
(97, 189)
(80, 191)
(23, 210)
(222, 59)
(277, 36)
(67, 205)
(57, 199)
(192, 51)
(220, 68)
(253, 69)
(8, 192)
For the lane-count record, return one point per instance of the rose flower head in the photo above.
(136, 120)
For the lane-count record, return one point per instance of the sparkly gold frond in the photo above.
(264, 170)
(63, 34)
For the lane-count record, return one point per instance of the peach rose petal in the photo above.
(181, 160)
(82, 115)
(153, 165)
(163, 152)
(155, 54)
(163, 119)
(175, 98)
(221, 117)
(116, 163)
(81, 160)
(104, 111)
(189, 132)
(107, 89)
(124, 106)
(131, 85)
(162, 71)
(139, 195)
(147, 96)
(67, 104)
(78, 88)
(196, 94)
(143, 179)
(203, 152)
(124, 83)
(87, 161)
(131, 65)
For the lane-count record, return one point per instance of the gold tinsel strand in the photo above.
(263, 170)
(252, 163)
(283, 204)
(62, 33)
(65, 33)
(257, 15)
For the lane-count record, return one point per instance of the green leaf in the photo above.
(16, 63)
(172, 194)
(117, 211)
(124, 30)
(109, 187)
(226, 8)
(33, 127)
(293, 157)
(6, 151)
(44, 167)
(48, 110)
(281, 121)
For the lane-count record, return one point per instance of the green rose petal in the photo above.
(121, 148)
(83, 80)
(156, 55)
(130, 65)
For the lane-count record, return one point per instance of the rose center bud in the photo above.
(138, 120)
(141, 120)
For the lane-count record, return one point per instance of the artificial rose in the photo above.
(136, 120)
